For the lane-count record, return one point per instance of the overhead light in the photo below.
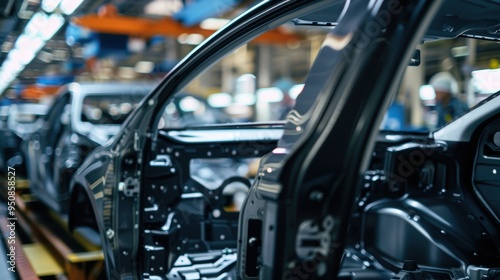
(36, 23)
(53, 23)
(213, 23)
(12, 67)
(6, 76)
(25, 42)
(219, 100)
(270, 95)
(69, 6)
(37, 32)
(22, 56)
(50, 5)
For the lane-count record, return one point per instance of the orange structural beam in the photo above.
(146, 28)
(37, 92)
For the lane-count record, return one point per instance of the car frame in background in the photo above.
(18, 123)
(312, 212)
(71, 129)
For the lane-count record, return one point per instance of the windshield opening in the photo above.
(260, 83)
(256, 83)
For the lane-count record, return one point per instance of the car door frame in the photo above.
(142, 138)
(41, 158)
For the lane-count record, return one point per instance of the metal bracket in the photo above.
(313, 239)
(161, 160)
(480, 273)
(130, 187)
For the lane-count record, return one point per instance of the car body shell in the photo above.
(296, 222)
(62, 140)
